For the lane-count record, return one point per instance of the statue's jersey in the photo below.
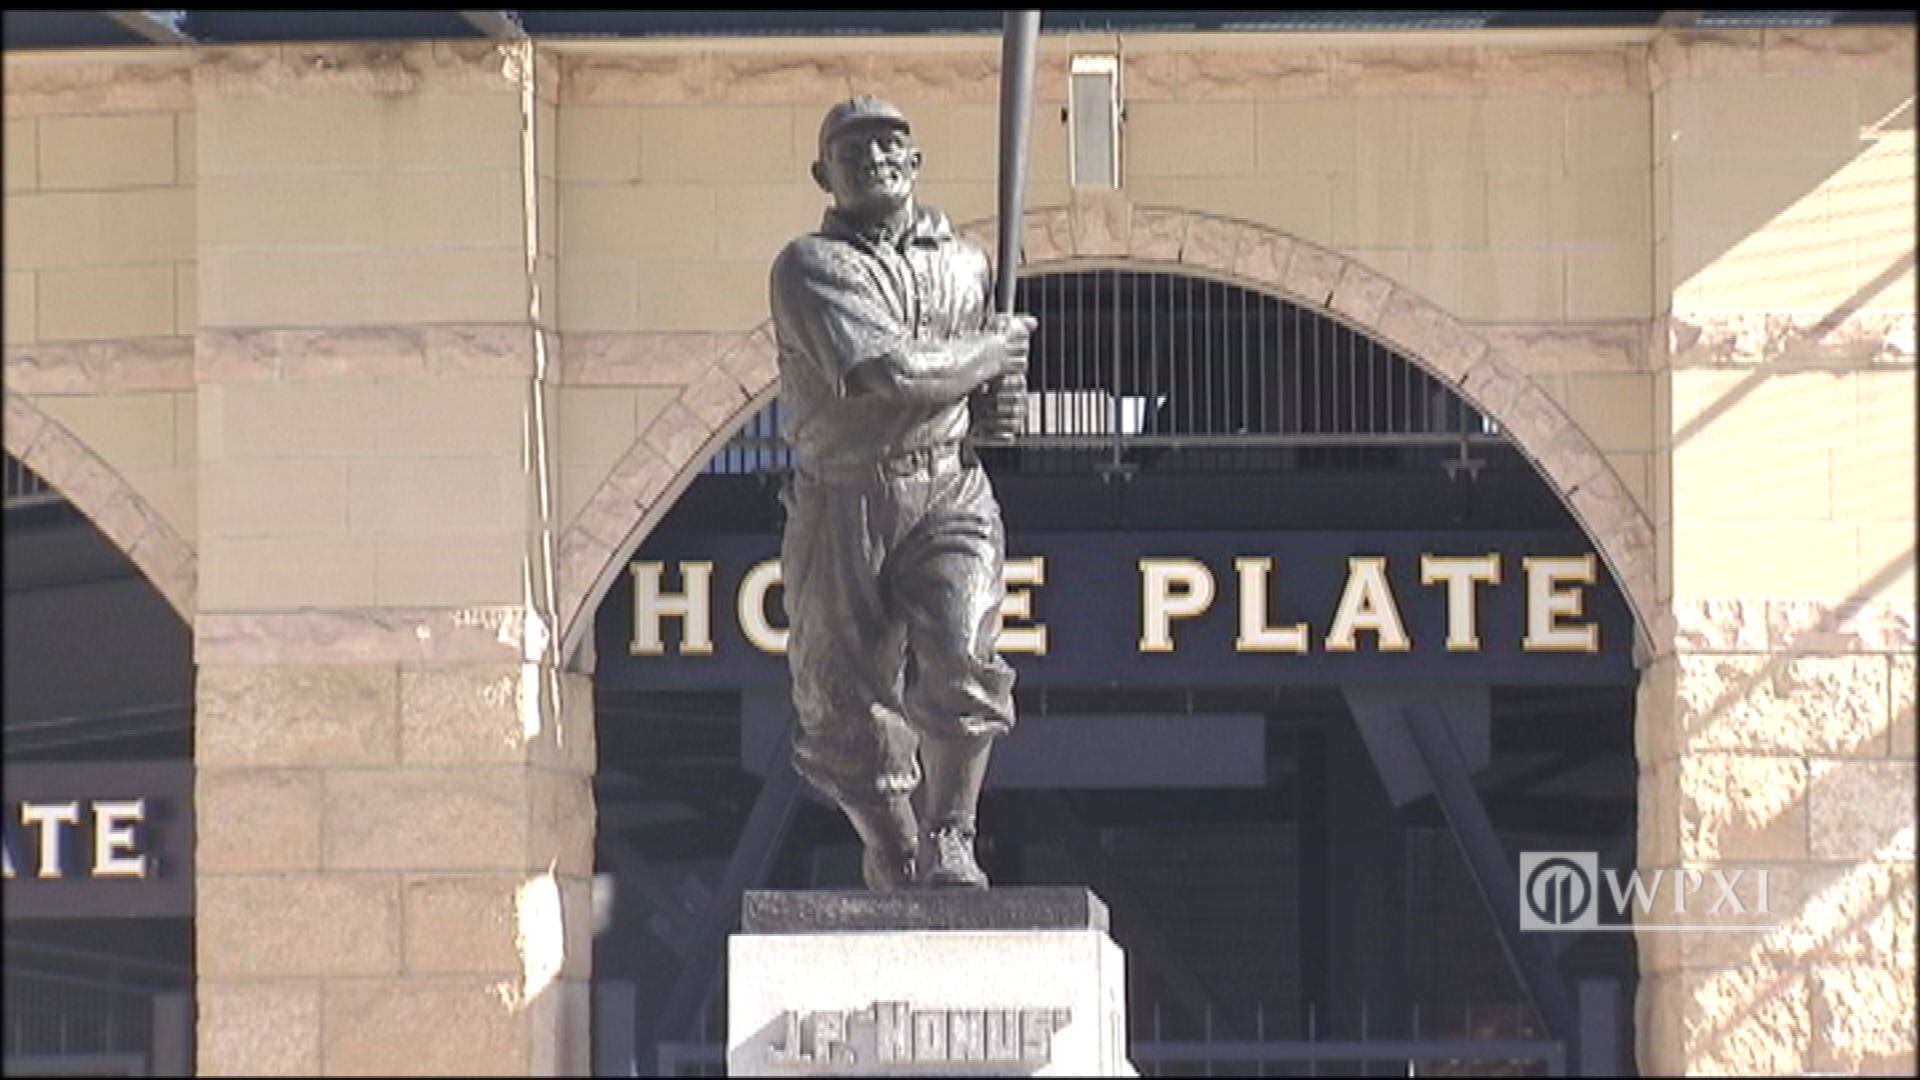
(841, 298)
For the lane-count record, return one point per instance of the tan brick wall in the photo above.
(22, 148)
(399, 835)
(259, 1027)
(1789, 208)
(1512, 185)
(374, 448)
(405, 491)
(99, 209)
(1502, 199)
(149, 439)
(414, 206)
(1779, 730)
(1795, 766)
(598, 425)
(100, 240)
(1796, 160)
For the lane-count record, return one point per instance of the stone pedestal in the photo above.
(1006, 982)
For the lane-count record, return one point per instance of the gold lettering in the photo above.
(752, 604)
(651, 606)
(1255, 634)
(113, 838)
(1170, 589)
(1547, 603)
(1018, 604)
(1460, 572)
(1367, 604)
(50, 817)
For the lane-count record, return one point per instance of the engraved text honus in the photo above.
(896, 1032)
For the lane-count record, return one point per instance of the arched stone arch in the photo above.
(650, 476)
(1109, 230)
(44, 445)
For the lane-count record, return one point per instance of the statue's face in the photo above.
(869, 168)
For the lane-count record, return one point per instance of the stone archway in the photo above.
(42, 444)
(743, 376)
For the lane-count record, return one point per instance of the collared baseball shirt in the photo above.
(841, 298)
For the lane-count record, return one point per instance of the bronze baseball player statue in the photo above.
(891, 356)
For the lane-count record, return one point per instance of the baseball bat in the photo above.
(1016, 115)
(1021, 29)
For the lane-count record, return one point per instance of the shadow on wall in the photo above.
(1786, 225)
(1838, 932)
(1755, 182)
(1791, 243)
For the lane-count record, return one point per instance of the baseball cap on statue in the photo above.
(862, 109)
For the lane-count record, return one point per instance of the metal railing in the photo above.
(1474, 1057)
(1496, 1039)
(82, 1013)
(24, 487)
(1162, 359)
(1130, 366)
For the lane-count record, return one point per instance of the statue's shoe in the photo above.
(886, 872)
(946, 859)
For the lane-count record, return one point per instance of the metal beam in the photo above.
(616, 1039)
(1053, 818)
(676, 912)
(748, 867)
(158, 27)
(1598, 1052)
(1531, 955)
(1468, 711)
(1680, 18)
(172, 1034)
(1524, 779)
(495, 24)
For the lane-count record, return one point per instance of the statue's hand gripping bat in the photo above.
(1000, 407)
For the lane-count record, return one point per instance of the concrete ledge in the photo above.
(828, 912)
(475, 634)
(1745, 624)
(243, 354)
(1789, 340)
(48, 82)
(377, 67)
(129, 365)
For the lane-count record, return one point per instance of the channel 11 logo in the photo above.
(1559, 890)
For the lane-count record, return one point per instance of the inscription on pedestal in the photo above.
(1015, 981)
(896, 1033)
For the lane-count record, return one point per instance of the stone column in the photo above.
(1775, 723)
(394, 776)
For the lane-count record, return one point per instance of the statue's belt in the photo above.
(925, 460)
